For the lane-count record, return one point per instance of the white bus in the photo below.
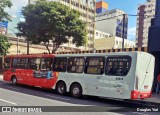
(123, 75)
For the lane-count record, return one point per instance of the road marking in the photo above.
(8, 101)
(57, 97)
(13, 88)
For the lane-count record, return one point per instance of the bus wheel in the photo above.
(61, 88)
(76, 91)
(14, 80)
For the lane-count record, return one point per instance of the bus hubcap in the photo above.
(75, 91)
(61, 89)
(14, 80)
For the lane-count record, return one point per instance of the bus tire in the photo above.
(61, 88)
(14, 80)
(76, 91)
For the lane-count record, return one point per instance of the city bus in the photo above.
(123, 75)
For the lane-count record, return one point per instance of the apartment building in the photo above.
(145, 13)
(87, 11)
(111, 22)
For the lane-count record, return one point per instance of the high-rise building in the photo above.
(145, 13)
(101, 7)
(111, 22)
(87, 11)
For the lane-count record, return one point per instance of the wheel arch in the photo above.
(12, 77)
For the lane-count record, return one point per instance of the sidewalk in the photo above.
(155, 99)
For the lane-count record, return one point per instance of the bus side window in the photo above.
(7, 63)
(14, 62)
(75, 65)
(46, 64)
(118, 65)
(94, 65)
(59, 64)
(34, 63)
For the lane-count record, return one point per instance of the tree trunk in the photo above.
(47, 46)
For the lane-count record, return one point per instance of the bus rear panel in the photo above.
(144, 76)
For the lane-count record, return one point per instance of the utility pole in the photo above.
(16, 37)
(27, 40)
(123, 33)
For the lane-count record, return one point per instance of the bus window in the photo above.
(46, 64)
(75, 65)
(60, 64)
(34, 63)
(14, 62)
(7, 63)
(94, 65)
(23, 63)
(118, 66)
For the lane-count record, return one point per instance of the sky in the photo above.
(128, 6)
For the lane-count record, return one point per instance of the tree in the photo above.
(51, 21)
(4, 45)
(3, 4)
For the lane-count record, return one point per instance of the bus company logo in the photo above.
(6, 109)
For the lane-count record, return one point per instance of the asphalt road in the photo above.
(22, 95)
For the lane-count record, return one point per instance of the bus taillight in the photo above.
(134, 94)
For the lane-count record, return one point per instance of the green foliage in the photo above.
(4, 45)
(51, 21)
(4, 4)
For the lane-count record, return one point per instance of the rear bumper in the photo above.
(140, 94)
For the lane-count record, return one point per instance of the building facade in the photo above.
(145, 13)
(100, 34)
(112, 43)
(87, 14)
(112, 22)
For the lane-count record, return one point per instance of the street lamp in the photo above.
(17, 37)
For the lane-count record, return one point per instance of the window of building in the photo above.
(94, 65)
(75, 65)
(96, 33)
(116, 42)
(106, 36)
(59, 64)
(118, 66)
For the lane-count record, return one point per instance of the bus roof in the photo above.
(32, 55)
(84, 54)
(102, 54)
